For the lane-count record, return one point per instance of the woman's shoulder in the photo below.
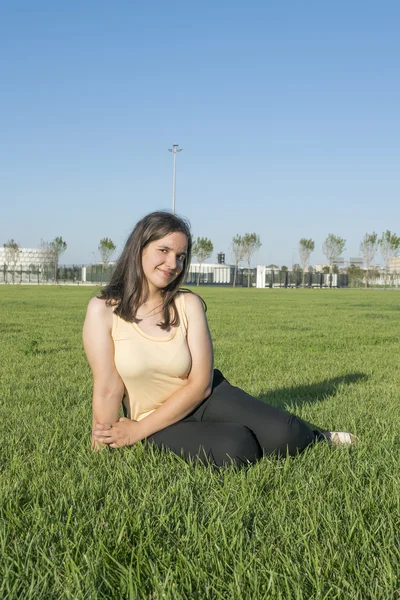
(100, 309)
(192, 302)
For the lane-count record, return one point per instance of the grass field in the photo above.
(137, 523)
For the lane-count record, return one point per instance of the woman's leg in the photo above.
(276, 431)
(217, 443)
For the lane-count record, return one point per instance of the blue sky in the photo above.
(287, 114)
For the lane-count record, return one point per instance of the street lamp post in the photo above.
(175, 148)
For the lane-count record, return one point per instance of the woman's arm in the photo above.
(199, 384)
(182, 402)
(108, 388)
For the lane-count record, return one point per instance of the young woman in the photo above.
(149, 348)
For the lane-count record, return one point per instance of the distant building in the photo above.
(320, 268)
(394, 266)
(357, 261)
(27, 257)
(210, 273)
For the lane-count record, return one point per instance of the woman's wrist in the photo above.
(140, 429)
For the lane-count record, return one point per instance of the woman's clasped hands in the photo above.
(124, 432)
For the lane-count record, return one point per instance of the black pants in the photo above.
(231, 426)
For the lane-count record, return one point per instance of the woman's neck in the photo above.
(152, 301)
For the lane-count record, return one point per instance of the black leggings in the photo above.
(231, 426)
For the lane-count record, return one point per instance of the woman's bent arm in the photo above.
(108, 388)
(199, 384)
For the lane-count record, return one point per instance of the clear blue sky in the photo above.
(287, 113)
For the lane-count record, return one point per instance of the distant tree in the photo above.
(306, 247)
(311, 269)
(54, 249)
(335, 269)
(368, 248)
(251, 243)
(296, 273)
(202, 249)
(106, 250)
(389, 245)
(326, 269)
(355, 275)
(237, 253)
(284, 268)
(46, 259)
(11, 252)
(332, 247)
(374, 274)
(31, 270)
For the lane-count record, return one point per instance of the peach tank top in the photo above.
(152, 368)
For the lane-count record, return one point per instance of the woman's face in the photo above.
(163, 260)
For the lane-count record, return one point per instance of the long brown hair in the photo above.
(128, 287)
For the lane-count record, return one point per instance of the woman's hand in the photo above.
(124, 432)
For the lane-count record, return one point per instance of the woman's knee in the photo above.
(237, 445)
(288, 436)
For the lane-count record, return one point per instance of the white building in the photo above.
(394, 266)
(24, 266)
(320, 267)
(210, 273)
(27, 257)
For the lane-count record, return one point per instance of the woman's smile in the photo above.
(167, 273)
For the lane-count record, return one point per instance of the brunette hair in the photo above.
(128, 287)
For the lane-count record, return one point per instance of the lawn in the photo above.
(140, 524)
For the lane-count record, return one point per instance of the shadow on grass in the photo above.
(304, 394)
(33, 350)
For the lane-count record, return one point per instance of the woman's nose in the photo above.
(172, 262)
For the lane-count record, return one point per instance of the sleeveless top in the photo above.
(152, 368)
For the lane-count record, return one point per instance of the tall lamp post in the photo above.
(175, 148)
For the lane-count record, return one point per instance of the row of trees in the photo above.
(243, 248)
(333, 246)
(53, 250)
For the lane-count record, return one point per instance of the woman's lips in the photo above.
(166, 273)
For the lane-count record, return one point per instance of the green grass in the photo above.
(137, 523)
